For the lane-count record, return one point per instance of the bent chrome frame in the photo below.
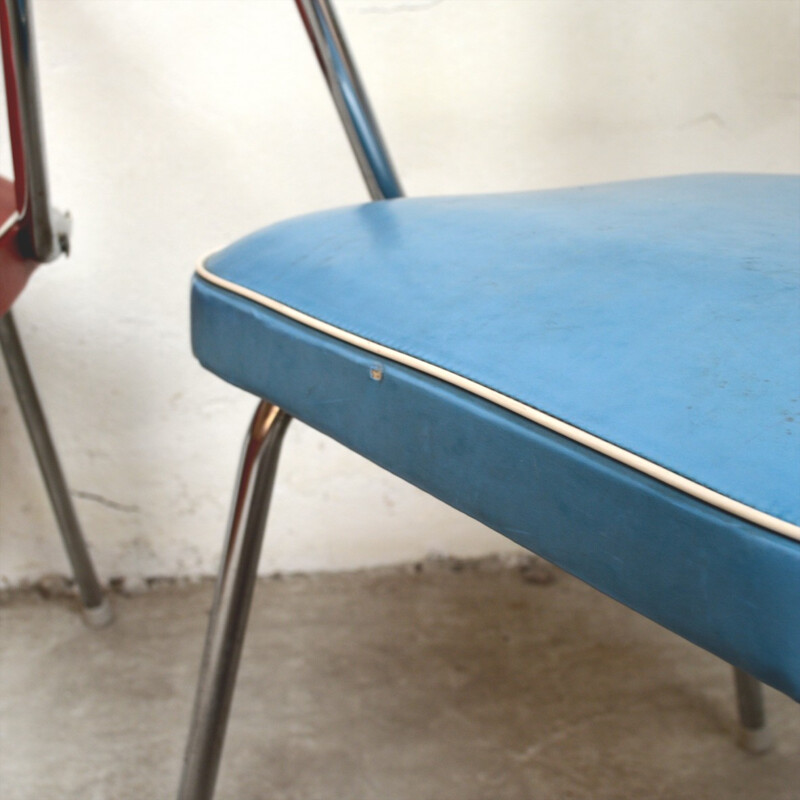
(97, 611)
(44, 231)
(755, 735)
(234, 588)
(43, 235)
(232, 600)
(350, 98)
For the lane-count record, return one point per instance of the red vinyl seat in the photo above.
(15, 269)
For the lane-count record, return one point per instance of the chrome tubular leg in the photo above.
(97, 610)
(234, 591)
(754, 734)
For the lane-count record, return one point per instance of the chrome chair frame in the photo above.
(43, 236)
(234, 588)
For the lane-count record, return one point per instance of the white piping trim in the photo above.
(638, 463)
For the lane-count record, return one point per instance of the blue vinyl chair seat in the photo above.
(608, 375)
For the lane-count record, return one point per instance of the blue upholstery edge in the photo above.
(724, 584)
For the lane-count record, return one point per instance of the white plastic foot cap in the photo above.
(99, 616)
(755, 740)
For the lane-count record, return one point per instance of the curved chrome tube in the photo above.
(350, 98)
(755, 735)
(96, 607)
(234, 591)
(44, 231)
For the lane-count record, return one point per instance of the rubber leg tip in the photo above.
(99, 616)
(755, 740)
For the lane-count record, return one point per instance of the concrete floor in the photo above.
(446, 681)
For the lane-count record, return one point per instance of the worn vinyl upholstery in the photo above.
(608, 375)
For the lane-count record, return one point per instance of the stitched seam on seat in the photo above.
(615, 452)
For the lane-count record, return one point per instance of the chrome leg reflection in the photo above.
(97, 610)
(234, 591)
(754, 733)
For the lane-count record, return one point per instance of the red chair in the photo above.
(32, 233)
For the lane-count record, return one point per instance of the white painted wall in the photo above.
(175, 126)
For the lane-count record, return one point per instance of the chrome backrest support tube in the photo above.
(44, 232)
(350, 98)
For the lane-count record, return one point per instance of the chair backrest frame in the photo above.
(43, 231)
(350, 98)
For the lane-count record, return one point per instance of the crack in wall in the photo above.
(104, 501)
